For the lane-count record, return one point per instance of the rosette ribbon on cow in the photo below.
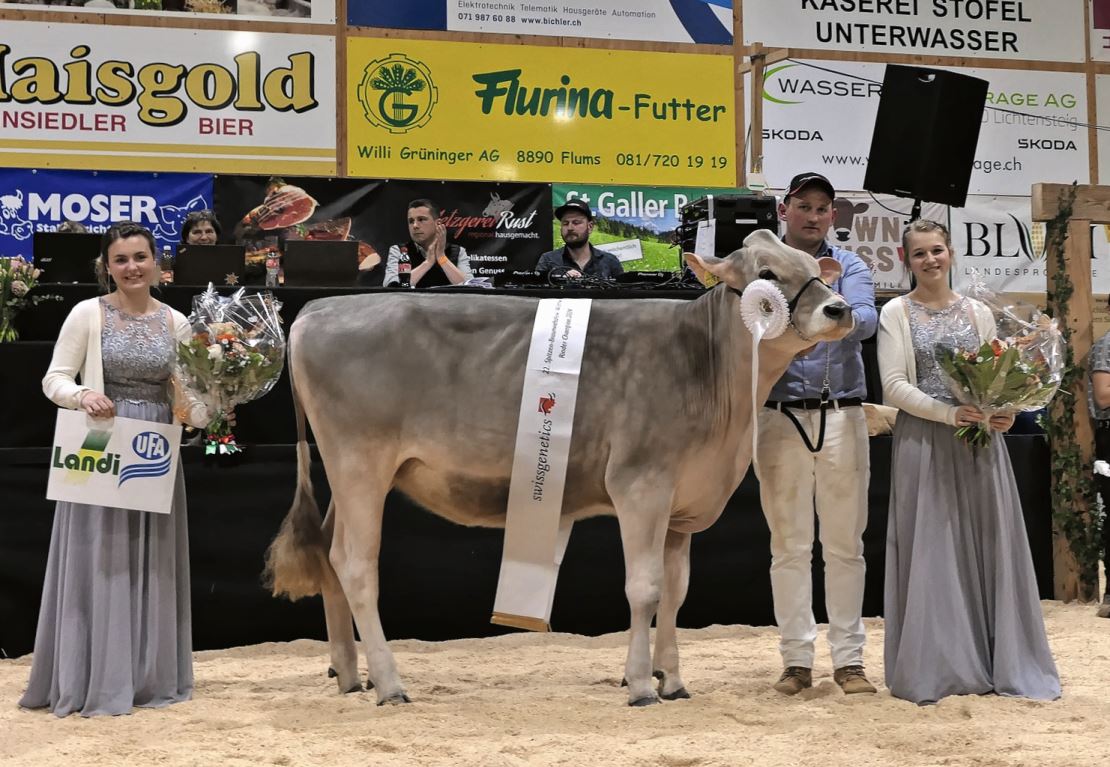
(235, 355)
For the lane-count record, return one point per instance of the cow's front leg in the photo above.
(676, 577)
(354, 555)
(643, 529)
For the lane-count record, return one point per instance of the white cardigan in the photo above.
(897, 368)
(77, 353)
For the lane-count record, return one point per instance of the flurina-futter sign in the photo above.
(444, 110)
(170, 99)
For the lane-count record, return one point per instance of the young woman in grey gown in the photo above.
(961, 605)
(114, 628)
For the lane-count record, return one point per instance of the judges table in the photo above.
(437, 579)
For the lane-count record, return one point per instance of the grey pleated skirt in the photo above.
(115, 626)
(961, 605)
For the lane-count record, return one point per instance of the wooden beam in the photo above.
(1091, 202)
(759, 58)
(1067, 581)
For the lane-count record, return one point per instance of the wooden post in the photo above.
(759, 59)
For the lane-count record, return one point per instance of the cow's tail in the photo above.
(297, 563)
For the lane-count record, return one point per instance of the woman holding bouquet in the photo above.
(115, 627)
(961, 607)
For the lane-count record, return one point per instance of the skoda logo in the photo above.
(397, 93)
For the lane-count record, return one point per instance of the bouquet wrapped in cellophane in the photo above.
(235, 355)
(1019, 370)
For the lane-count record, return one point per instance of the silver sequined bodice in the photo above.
(953, 327)
(137, 353)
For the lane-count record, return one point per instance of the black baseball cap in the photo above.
(803, 180)
(574, 206)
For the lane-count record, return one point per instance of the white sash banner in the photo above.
(535, 535)
(121, 463)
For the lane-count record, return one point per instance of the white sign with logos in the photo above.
(1032, 30)
(121, 463)
(72, 96)
(820, 116)
(996, 238)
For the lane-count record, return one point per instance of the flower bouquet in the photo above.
(235, 355)
(17, 279)
(1019, 371)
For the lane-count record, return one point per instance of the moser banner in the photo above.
(995, 238)
(322, 11)
(635, 223)
(170, 99)
(121, 463)
(1031, 30)
(427, 109)
(39, 200)
(822, 117)
(668, 21)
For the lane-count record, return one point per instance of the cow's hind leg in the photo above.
(676, 577)
(354, 555)
(643, 527)
(341, 632)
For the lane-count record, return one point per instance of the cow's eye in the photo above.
(767, 274)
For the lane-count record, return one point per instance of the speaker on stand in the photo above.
(926, 132)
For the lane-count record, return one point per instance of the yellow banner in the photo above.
(444, 110)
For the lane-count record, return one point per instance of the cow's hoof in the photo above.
(355, 688)
(679, 694)
(369, 683)
(657, 674)
(647, 700)
(624, 681)
(331, 673)
(395, 700)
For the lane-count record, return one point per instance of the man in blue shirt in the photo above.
(829, 476)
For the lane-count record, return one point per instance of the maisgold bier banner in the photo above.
(71, 96)
(446, 110)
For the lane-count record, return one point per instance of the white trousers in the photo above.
(793, 483)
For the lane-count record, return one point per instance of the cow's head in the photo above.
(816, 312)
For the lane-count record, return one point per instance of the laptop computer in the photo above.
(320, 263)
(66, 256)
(202, 264)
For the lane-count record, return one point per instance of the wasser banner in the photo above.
(120, 463)
(426, 109)
(821, 118)
(170, 99)
(668, 21)
(1033, 30)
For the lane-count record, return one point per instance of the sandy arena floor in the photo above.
(554, 699)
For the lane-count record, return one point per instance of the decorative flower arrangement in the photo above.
(17, 279)
(234, 356)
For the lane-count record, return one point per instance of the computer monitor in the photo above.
(202, 264)
(320, 263)
(66, 256)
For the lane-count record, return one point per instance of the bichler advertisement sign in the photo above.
(171, 99)
(1030, 30)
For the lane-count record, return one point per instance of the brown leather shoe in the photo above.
(794, 679)
(852, 680)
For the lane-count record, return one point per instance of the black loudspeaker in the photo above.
(925, 134)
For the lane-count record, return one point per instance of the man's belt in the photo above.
(814, 404)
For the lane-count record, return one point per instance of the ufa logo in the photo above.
(153, 448)
(397, 93)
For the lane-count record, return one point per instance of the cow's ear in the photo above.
(703, 268)
(830, 270)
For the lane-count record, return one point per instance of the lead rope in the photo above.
(825, 392)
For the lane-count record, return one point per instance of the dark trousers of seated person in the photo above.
(1102, 453)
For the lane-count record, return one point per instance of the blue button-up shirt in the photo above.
(804, 377)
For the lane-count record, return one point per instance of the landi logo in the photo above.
(92, 458)
(783, 86)
(397, 93)
(162, 92)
